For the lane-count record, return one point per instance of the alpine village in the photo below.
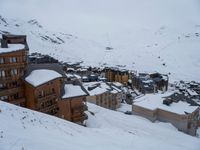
(42, 83)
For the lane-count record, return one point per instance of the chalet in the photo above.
(13, 60)
(43, 85)
(150, 83)
(181, 114)
(103, 94)
(73, 104)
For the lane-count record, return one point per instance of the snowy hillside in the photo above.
(23, 129)
(146, 35)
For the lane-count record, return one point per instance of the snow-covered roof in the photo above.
(117, 84)
(11, 48)
(41, 76)
(73, 91)
(154, 101)
(99, 88)
(192, 92)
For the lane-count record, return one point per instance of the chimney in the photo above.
(4, 43)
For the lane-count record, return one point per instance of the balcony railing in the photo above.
(9, 79)
(49, 108)
(80, 118)
(18, 101)
(46, 97)
(6, 92)
(13, 65)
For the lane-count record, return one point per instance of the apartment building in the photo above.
(72, 105)
(103, 94)
(13, 60)
(182, 115)
(43, 85)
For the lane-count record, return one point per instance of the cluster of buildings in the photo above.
(39, 82)
(150, 82)
(40, 87)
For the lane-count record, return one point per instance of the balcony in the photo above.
(12, 65)
(80, 118)
(49, 108)
(6, 92)
(9, 79)
(18, 101)
(47, 97)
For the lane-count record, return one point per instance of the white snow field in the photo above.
(146, 35)
(23, 129)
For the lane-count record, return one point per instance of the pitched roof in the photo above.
(73, 91)
(41, 76)
(38, 74)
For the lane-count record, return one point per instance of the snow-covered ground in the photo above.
(147, 35)
(23, 129)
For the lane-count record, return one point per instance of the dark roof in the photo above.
(13, 36)
(176, 97)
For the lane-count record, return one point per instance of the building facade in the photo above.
(103, 94)
(13, 60)
(116, 75)
(180, 114)
(72, 105)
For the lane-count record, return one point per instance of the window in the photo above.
(13, 71)
(41, 93)
(53, 90)
(13, 59)
(1, 60)
(2, 73)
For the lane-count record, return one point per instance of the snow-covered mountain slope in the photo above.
(147, 35)
(23, 129)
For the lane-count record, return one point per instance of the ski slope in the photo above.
(146, 35)
(23, 129)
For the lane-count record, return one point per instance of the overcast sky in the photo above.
(102, 16)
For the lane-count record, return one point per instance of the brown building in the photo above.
(43, 85)
(180, 114)
(117, 75)
(103, 94)
(73, 104)
(13, 60)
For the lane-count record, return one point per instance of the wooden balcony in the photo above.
(12, 65)
(6, 92)
(9, 79)
(18, 101)
(80, 118)
(49, 108)
(47, 97)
